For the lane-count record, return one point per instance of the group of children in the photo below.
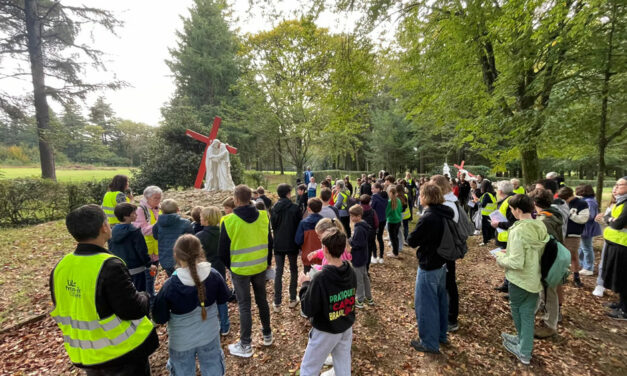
(196, 288)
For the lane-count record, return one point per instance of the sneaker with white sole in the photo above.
(359, 304)
(225, 333)
(373, 260)
(243, 351)
(598, 291)
(380, 260)
(514, 349)
(328, 361)
(303, 313)
(330, 372)
(276, 308)
(294, 303)
(586, 272)
(268, 339)
(510, 338)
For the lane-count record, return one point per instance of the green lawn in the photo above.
(65, 174)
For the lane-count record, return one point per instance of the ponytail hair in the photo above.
(326, 224)
(189, 250)
(393, 196)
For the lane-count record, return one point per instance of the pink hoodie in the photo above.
(346, 256)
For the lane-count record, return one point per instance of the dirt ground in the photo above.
(588, 343)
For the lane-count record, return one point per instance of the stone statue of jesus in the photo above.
(218, 165)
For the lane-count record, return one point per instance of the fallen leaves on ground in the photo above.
(588, 343)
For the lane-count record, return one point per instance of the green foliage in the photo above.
(34, 200)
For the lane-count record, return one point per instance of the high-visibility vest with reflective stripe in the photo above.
(344, 205)
(108, 205)
(504, 235)
(406, 212)
(88, 339)
(489, 208)
(151, 242)
(614, 235)
(520, 190)
(249, 244)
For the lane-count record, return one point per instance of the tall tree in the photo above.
(44, 33)
(291, 66)
(205, 61)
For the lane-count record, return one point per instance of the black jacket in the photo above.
(128, 243)
(284, 219)
(209, 237)
(428, 234)
(266, 201)
(329, 299)
(116, 294)
(359, 243)
(249, 214)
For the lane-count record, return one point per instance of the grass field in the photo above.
(65, 174)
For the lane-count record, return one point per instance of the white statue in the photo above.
(218, 168)
(446, 170)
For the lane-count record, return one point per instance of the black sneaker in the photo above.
(617, 314)
(502, 288)
(612, 305)
(419, 347)
(577, 280)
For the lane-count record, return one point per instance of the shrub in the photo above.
(35, 200)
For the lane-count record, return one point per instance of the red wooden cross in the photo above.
(207, 140)
(460, 170)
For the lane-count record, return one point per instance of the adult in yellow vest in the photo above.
(518, 189)
(615, 260)
(115, 195)
(246, 249)
(101, 315)
(488, 205)
(504, 190)
(147, 215)
(341, 203)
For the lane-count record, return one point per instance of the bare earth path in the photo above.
(588, 343)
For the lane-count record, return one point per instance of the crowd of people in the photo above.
(106, 305)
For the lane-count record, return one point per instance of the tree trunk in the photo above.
(604, 97)
(280, 157)
(35, 52)
(530, 164)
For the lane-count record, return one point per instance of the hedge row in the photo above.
(33, 200)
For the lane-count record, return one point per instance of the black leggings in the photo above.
(346, 222)
(486, 229)
(393, 229)
(453, 294)
(380, 238)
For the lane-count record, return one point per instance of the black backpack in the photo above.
(453, 244)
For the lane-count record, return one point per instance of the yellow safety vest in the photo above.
(614, 235)
(344, 205)
(108, 205)
(489, 208)
(504, 235)
(88, 338)
(520, 190)
(249, 244)
(406, 212)
(151, 242)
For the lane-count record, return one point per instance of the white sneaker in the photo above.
(598, 291)
(380, 260)
(240, 350)
(267, 340)
(585, 272)
(373, 260)
(328, 361)
(294, 303)
(330, 372)
(477, 232)
(276, 308)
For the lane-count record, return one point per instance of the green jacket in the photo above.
(394, 215)
(521, 259)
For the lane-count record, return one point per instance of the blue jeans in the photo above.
(431, 306)
(210, 358)
(586, 254)
(223, 313)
